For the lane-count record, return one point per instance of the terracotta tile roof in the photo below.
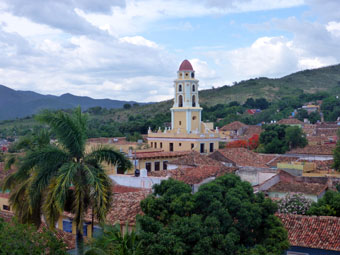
(6, 216)
(125, 207)
(195, 159)
(280, 159)
(245, 157)
(233, 126)
(291, 121)
(252, 130)
(318, 232)
(194, 175)
(298, 187)
(326, 149)
(160, 154)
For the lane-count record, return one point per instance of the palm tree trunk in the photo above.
(79, 243)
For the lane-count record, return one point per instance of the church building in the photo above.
(187, 132)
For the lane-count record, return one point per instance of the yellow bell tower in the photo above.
(187, 131)
(186, 112)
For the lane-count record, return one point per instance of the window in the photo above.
(202, 148)
(211, 147)
(67, 226)
(97, 231)
(194, 117)
(180, 87)
(161, 145)
(193, 88)
(171, 147)
(192, 146)
(157, 166)
(148, 166)
(165, 165)
(192, 75)
(180, 101)
(180, 144)
(151, 144)
(193, 101)
(180, 122)
(6, 207)
(155, 145)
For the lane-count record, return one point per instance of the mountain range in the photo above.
(17, 104)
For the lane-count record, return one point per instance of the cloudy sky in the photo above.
(131, 50)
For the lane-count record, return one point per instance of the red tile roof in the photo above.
(320, 232)
(245, 157)
(195, 159)
(326, 149)
(290, 121)
(298, 187)
(233, 126)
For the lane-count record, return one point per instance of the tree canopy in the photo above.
(281, 138)
(328, 205)
(223, 217)
(24, 239)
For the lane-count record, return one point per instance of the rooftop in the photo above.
(195, 159)
(291, 121)
(233, 126)
(159, 154)
(320, 232)
(298, 187)
(325, 149)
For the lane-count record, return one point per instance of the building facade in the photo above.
(187, 131)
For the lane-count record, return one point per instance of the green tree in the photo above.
(223, 217)
(64, 175)
(113, 242)
(280, 138)
(314, 117)
(24, 239)
(328, 205)
(127, 106)
(295, 137)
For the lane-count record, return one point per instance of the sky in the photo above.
(132, 49)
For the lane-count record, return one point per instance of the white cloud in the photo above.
(334, 28)
(138, 40)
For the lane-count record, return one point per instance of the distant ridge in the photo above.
(18, 104)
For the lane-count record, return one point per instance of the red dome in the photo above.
(186, 66)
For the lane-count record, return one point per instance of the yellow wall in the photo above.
(4, 201)
(195, 123)
(74, 229)
(183, 145)
(180, 117)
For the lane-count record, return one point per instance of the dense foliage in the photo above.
(336, 156)
(223, 217)
(24, 239)
(281, 138)
(294, 203)
(328, 205)
(113, 242)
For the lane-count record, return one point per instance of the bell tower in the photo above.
(186, 112)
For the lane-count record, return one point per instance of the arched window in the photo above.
(180, 101)
(180, 87)
(193, 88)
(193, 101)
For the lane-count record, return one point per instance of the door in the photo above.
(202, 148)
(171, 147)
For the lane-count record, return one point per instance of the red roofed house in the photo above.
(312, 235)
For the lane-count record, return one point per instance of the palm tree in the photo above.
(62, 176)
(113, 242)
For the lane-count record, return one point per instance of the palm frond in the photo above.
(51, 210)
(108, 155)
(70, 130)
(10, 161)
(101, 190)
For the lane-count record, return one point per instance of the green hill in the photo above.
(139, 117)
